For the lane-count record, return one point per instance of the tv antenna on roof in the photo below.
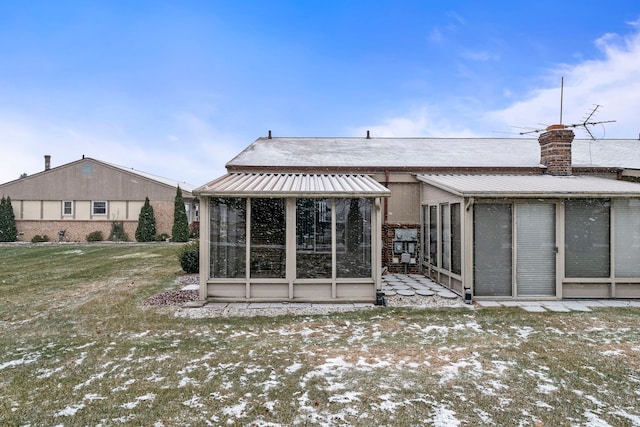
(585, 123)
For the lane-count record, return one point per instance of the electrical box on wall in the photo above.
(405, 245)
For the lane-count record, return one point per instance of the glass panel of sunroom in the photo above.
(313, 238)
(228, 237)
(456, 239)
(353, 237)
(587, 238)
(627, 237)
(433, 235)
(492, 249)
(268, 238)
(445, 237)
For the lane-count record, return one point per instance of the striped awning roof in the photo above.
(293, 185)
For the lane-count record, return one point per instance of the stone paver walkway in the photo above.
(420, 291)
(561, 305)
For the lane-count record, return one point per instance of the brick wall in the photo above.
(77, 230)
(555, 150)
(388, 233)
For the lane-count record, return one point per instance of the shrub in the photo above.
(117, 232)
(95, 236)
(8, 230)
(194, 230)
(146, 230)
(189, 257)
(180, 230)
(161, 237)
(40, 238)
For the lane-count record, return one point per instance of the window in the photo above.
(67, 208)
(99, 208)
(456, 243)
(353, 237)
(587, 238)
(627, 237)
(425, 233)
(313, 238)
(228, 237)
(445, 237)
(433, 235)
(268, 238)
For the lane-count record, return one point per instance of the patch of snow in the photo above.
(24, 360)
(546, 388)
(186, 381)
(484, 416)
(594, 421)
(91, 379)
(92, 396)
(89, 344)
(124, 386)
(348, 397)
(635, 419)
(81, 359)
(46, 373)
(131, 405)
(445, 417)
(387, 404)
(449, 372)
(69, 411)
(136, 255)
(194, 402)
(523, 332)
(541, 404)
(72, 252)
(293, 368)
(617, 352)
(237, 411)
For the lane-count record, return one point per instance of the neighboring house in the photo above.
(70, 201)
(505, 218)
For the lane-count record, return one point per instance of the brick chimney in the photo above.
(555, 150)
(47, 162)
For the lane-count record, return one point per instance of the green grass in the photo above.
(78, 348)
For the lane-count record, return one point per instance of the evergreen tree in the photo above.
(180, 230)
(146, 231)
(8, 230)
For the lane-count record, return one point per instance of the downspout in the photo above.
(386, 199)
(467, 254)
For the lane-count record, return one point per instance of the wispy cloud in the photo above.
(424, 121)
(480, 56)
(612, 81)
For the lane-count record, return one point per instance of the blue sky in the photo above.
(177, 88)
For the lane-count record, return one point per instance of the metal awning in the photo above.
(293, 185)
(526, 186)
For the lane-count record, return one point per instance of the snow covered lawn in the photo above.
(104, 359)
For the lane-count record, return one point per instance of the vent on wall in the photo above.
(87, 169)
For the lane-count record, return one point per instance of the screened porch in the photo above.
(290, 237)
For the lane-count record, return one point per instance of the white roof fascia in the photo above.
(167, 181)
(531, 186)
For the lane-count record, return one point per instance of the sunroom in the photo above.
(290, 237)
(532, 236)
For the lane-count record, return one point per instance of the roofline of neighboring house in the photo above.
(129, 171)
